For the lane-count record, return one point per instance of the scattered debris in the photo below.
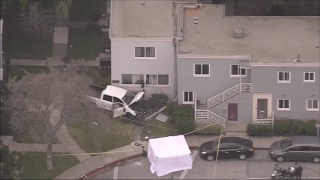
(95, 123)
(146, 137)
(138, 143)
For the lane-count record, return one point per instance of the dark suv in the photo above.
(230, 147)
(297, 148)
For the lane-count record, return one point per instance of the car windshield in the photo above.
(286, 143)
(128, 97)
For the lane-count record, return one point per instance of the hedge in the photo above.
(183, 117)
(211, 130)
(295, 127)
(259, 130)
(284, 127)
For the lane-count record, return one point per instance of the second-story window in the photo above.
(309, 77)
(145, 52)
(202, 70)
(283, 77)
(236, 70)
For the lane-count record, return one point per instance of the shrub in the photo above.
(158, 99)
(183, 116)
(212, 130)
(259, 130)
(170, 108)
(295, 127)
(282, 127)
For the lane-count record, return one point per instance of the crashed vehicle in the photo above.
(120, 101)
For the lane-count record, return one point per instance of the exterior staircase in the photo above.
(229, 93)
(222, 97)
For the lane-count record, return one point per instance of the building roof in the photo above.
(132, 19)
(267, 38)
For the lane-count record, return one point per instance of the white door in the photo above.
(118, 110)
(262, 106)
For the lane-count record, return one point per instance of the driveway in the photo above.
(257, 167)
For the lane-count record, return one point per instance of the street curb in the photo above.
(115, 163)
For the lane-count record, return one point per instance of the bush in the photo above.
(170, 108)
(294, 127)
(183, 116)
(94, 29)
(259, 130)
(11, 167)
(212, 130)
(282, 127)
(157, 100)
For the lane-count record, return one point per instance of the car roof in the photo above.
(114, 91)
(305, 140)
(242, 141)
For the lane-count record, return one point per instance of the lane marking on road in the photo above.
(185, 171)
(115, 173)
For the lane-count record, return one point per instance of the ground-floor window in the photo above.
(283, 104)
(187, 97)
(148, 79)
(312, 105)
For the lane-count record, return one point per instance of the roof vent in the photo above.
(298, 59)
(238, 33)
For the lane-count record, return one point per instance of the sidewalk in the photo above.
(192, 140)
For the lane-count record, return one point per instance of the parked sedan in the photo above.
(230, 147)
(297, 148)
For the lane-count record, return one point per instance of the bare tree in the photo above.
(33, 98)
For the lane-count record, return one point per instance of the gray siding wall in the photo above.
(123, 62)
(265, 79)
(244, 101)
(206, 87)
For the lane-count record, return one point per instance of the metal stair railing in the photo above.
(207, 114)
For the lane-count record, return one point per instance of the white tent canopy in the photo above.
(169, 154)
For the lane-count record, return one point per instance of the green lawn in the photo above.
(107, 135)
(86, 45)
(87, 10)
(21, 48)
(34, 165)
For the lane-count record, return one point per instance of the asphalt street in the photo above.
(259, 166)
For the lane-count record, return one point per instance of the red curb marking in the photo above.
(119, 162)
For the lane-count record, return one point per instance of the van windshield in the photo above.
(128, 97)
(286, 143)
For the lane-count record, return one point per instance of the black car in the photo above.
(230, 147)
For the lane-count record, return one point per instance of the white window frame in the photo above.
(144, 78)
(145, 51)
(284, 81)
(312, 109)
(200, 75)
(239, 71)
(283, 109)
(187, 102)
(314, 77)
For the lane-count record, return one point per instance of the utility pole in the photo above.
(1, 69)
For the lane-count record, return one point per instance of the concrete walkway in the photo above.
(30, 147)
(192, 140)
(65, 138)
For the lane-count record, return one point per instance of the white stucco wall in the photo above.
(123, 62)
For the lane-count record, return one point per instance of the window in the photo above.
(305, 148)
(312, 105)
(298, 148)
(132, 79)
(107, 98)
(236, 70)
(202, 70)
(117, 100)
(309, 77)
(283, 77)
(163, 79)
(149, 79)
(314, 148)
(145, 52)
(188, 97)
(283, 104)
(235, 147)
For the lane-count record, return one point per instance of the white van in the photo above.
(117, 100)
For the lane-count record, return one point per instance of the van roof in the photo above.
(309, 140)
(114, 91)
